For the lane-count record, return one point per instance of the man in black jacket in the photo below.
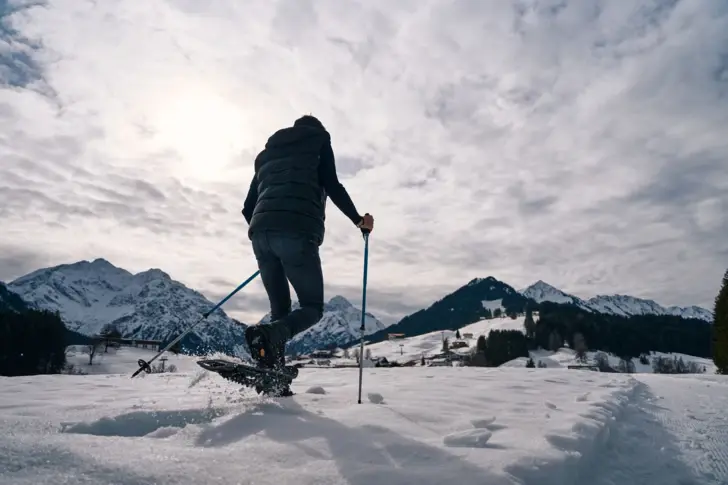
(285, 211)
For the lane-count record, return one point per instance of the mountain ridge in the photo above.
(339, 325)
(616, 304)
(147, 305)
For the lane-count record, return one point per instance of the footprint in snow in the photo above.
(550, 405)
(316, 390)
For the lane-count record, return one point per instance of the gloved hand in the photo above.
(366, 224)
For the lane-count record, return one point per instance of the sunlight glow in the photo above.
(206, 130)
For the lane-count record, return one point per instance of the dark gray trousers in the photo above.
(294, 257)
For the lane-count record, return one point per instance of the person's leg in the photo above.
(299, 256)
(276, 286)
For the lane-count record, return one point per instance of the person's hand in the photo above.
(366, 224)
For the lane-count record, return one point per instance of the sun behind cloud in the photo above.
(204, 128)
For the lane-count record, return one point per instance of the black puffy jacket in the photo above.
(289, 194)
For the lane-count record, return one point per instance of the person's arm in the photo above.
(334, 189)
(250, 200)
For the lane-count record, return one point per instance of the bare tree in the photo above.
(109, 332)
(93, 348)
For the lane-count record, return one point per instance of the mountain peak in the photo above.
(152, 274)
(339, 301)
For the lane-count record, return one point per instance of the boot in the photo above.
(267, 343)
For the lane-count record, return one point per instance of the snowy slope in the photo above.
(430, 426)
(565, 357)
(147, 305)
(541, 291)
(622, 305)
(339, 325)
(413, 348)
(10, 300)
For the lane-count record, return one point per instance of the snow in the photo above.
(431, 343)
(122, 360)
(565, 357)
(146, 305)
(623, 305)
(542, 291)
(340, 324)
(431, 426)
(493, 305)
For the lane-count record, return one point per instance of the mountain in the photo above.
(480, 298)
(622, 305)
(10, 300)
(147, 305)
(541, 291)
(339, 325)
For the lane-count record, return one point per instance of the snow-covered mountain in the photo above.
(339, 325)
(541, 291)
(623, 305)
(10, 300)
(147, 305)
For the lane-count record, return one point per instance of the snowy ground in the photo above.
(412, 348)
(416, 426)
(566, 357)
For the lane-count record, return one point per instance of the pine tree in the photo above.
(720, 328)
(445, 345)
(529, 325)
(555, 341)
(530, 364)
(580, 347)
(457, 334)
(481, 344)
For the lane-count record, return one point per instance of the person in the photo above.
(285, 211)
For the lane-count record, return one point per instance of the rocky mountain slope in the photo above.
(339, 325)
(10, 300)
(480, 298)
(623, 305)
(147, 305)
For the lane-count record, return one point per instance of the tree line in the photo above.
(32, 342)
(628, 338)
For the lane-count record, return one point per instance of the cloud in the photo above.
(579, 142)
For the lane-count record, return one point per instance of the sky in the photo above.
(582, 143)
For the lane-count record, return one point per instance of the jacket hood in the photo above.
(294, 134)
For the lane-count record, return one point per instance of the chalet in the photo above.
(130, 342)
(322, 354)
(458, 344)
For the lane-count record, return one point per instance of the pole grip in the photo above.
(365, 232)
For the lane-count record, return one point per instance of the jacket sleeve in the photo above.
(250, 200)
(330, 182)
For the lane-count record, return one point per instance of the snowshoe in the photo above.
(266, 381)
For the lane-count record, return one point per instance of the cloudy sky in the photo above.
(584, 142)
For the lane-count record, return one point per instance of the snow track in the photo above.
(675, 432)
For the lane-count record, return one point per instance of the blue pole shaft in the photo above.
(363, 312)
(242, 285)
(191, 327)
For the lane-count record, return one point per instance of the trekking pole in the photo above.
(144, 365)
(365, 232)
